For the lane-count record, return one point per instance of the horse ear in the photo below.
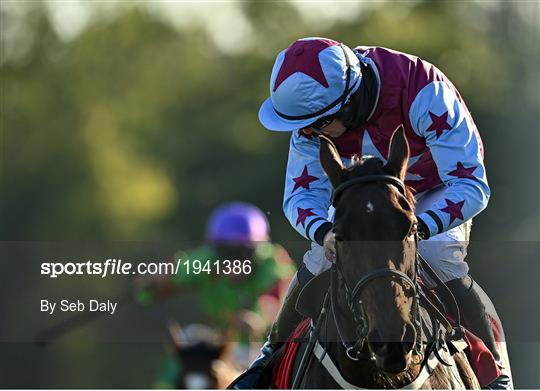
(330, 161)
(398, 155)
(175, 334)
(225, 349)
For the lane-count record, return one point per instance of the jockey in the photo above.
(230, 301)
(358, 97)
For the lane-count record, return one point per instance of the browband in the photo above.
(368, 179)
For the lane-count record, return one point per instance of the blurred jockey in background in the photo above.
(241, 306)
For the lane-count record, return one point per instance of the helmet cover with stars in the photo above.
(309, 81)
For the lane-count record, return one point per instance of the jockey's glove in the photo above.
(423, 230)
(325, 237)
(329, 244)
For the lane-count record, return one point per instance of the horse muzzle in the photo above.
(392, 355)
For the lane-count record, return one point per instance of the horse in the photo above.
(203, 358)
(369, 329)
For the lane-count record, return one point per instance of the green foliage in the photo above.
(135, 130)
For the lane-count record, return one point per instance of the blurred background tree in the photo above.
(132, 121)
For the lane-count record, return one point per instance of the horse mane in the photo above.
(371, 165)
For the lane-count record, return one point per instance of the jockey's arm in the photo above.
(440, 116)
(308, 191)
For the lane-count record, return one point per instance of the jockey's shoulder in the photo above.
(384, 53)
(395, 65)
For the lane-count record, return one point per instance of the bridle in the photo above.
(356, 351)
(393, 180)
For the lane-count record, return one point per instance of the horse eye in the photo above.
(338, 237)
(414, 229)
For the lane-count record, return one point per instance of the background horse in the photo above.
(372, 333)
(203, 358)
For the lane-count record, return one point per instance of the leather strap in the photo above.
(326, 361)
(368, 179)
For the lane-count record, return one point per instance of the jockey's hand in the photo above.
(423, 230)
(329, 245)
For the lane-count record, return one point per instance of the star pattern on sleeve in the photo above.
(439, 124)
(303, 214)
(463, 172)
(303, 180)
(454, 209)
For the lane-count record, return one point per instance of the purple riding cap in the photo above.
(238, 223)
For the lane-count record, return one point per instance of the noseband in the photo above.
(354, 350)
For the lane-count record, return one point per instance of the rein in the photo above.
(355, 351)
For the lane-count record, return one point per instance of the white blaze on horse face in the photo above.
(370, 208)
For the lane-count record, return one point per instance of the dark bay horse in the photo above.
(203, 357)
(373, 332)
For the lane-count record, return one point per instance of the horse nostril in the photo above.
(383, 347)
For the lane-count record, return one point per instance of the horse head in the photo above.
(200, 351)
(375, 228)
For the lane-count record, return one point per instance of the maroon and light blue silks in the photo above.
(446, 149)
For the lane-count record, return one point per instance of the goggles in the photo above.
(323, 122)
